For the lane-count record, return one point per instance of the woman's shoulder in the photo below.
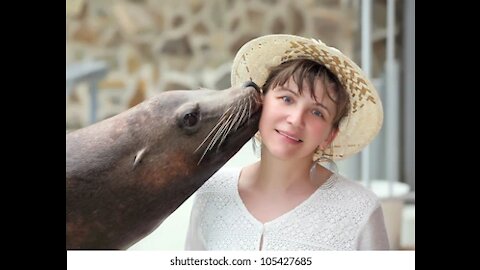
(353, 192)
(223, 180)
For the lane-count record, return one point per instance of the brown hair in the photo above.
(309, 71)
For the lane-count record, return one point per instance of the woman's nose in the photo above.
(296, 117)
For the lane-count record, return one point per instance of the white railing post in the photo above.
(366, 28)
(392, 142)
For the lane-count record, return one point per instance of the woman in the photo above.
(317, 106)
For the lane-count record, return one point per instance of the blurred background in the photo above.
(119, 53)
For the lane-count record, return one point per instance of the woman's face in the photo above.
(294, 125)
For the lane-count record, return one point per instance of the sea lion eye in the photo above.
(190, 119)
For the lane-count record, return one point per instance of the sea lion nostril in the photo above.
(252, 84)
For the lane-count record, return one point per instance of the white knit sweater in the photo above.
(340, 215)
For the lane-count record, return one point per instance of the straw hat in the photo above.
(365, 118)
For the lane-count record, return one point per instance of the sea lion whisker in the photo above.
(239, 119)
(206, 138)
(221, 131)
(226, 123)
(245, 112)
(222, 118)
(231, 123)
(220, 126)
(214, 139)
(226, 132)
(236, 120)
(243, 109)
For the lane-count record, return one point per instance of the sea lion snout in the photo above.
(251, 84)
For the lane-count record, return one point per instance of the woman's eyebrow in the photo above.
(288, 90)
(321, 105)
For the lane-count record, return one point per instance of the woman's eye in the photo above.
(286, 99)
(317, 113)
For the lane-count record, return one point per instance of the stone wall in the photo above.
(154, 46)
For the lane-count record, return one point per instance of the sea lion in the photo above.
(126, 174)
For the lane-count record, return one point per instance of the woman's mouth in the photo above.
(290, 137)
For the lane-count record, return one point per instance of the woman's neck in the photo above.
(273, 174)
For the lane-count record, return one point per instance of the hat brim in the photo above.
(254, 60)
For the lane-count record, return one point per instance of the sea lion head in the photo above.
(128, 173)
